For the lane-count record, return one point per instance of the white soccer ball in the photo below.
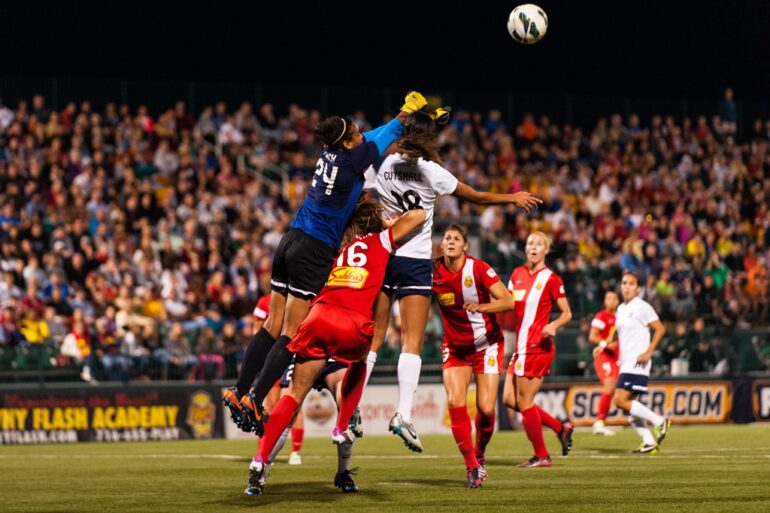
(527, 24)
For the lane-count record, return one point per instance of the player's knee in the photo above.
(486, 410)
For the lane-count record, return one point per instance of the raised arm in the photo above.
(385, 135)
(406, 223)
(522, 199)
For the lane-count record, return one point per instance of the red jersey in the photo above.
(470, 283)
(604, 321)
(263, 307)
(358, 273)
(533, 296)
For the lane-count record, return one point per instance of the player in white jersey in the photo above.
(633, 321)
(412, 179)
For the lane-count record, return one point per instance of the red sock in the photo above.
(534, 428)
(352, 389)
(548, 420)
(461, 429)
(283, 413)
(297, 434)
(485, 426)
(604, 406)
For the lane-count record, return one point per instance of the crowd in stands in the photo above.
(134, 245)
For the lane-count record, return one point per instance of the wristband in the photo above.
(603, 344)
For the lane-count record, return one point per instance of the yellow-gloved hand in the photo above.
(413, 101)
(441, 115)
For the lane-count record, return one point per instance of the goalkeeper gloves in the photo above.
(413, 101)
(441, 115)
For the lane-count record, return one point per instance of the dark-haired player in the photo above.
(605, 358)
(339, 326)
(305, 254)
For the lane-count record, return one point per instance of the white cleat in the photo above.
(257, 478)
(600, 429)
(398, 426)
(295, 458)
(343, 437)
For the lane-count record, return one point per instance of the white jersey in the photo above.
(404, 184)
(632, 322)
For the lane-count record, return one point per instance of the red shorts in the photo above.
(606, 366)
(486, 361)
(534, 365)
(333, 332)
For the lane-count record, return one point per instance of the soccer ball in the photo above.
(527, 24)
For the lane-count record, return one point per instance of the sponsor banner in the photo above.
(761, 400)
(91, 415)
(684, 402)
(378, 404)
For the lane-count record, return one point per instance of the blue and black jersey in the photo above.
(337, 185)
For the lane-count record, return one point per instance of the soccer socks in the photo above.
(344, 453)
(371, 359)
(352, 389)
(604, 406)
(641, 427)
(297, 435)
(276, 362)
(548, 420)
(461, 430)
(485, 427)
(643, 412)
(278, 445)
(408, 377)
(281, 417)
(253, 360)
(534, 428)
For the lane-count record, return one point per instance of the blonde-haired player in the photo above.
(535, 289)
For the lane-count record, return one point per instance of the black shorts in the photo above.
(331, 367)
(301, 265)
(407, 276)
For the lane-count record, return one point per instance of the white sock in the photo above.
(408, 377)
(643, 412)
(641, 427)
(371, 359)
(279, 444)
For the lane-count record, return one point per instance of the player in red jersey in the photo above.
(339, 325)
(605, 358)
(469, 293)
(535, 288)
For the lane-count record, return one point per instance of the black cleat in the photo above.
(565, 437)
(254, 415)
(344, 481)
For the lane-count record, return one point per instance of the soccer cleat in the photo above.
(600, 429)
(295, 458)
(344, 481)
(398, 426)
(257, 478)
(355, 424)
(535, 462)
(254, 416)
(340, 436)
(565, 437)
(483, 473)
(481, 459)
(660, 432)
(230, 399)
(473, 476)
(645, 448)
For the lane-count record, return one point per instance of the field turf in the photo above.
(701, 469)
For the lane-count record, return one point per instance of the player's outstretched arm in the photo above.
(385, 135)
(501, 302)
(524, 200)
(406, 223)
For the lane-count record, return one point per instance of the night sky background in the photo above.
(655, 49)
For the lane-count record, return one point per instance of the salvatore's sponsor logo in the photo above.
(446, 299)
(201, 414)
(353, 277)
(518, 294)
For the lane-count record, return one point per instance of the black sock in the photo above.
(276, 363)
(253, 359)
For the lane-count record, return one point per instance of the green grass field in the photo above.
(703, 469)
